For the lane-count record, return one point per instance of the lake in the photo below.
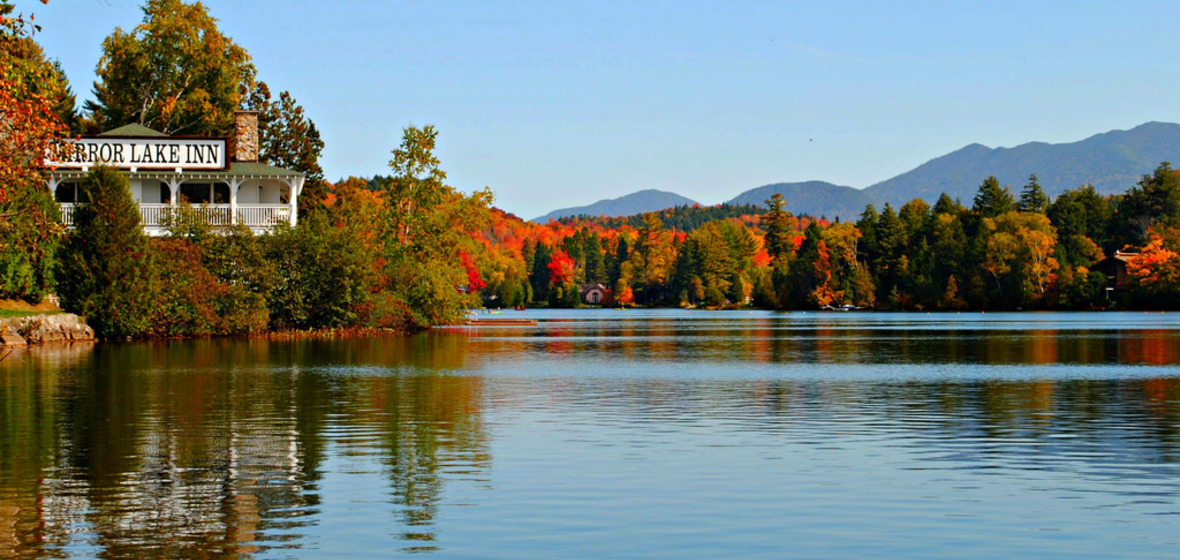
(608, 434)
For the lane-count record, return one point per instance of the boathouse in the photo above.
(222, 179)
(592, 294)
(1115, 269)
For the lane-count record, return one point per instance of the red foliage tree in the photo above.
(561, 268)
(474, 281)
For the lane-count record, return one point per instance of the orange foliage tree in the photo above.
(1155, 273)
(29, 123)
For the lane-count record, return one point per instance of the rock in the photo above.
(44, 329)
(8, 337)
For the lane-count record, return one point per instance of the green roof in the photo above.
(244, 170)
(251, 169)
(133, 130)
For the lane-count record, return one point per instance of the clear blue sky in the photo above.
(556, 104)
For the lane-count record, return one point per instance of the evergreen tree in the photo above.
(776, 224)
(1033, 198)
(1155, 199)
(890, 261)
(947, 205)
(106, 264)
(991, 199)
(868, 247)
(539, 277)
(595, 267)
(737, 289)
(289, 139)
(621, 255)
(764, 296)
(527, 252)
(684, 269)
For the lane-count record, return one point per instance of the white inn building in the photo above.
(167, 170)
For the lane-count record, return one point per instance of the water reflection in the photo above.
(254, 448)
(214, 448)
(999, 339)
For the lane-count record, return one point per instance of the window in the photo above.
(195, 193)
(68, 192)
(165, 193)
(204, 193)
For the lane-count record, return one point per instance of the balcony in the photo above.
(155, 218)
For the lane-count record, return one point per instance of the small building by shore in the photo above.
(1114, 268)
(592, 294)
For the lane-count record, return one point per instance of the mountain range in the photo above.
(1111, 161)
(648, 200)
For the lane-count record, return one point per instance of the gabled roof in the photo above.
(133, 130)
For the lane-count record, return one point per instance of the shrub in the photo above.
(324, 276)
(104, 260)
(30, 237)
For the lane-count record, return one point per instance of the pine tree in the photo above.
(778, 229)
(992, 200)
(106, 262)
(539, 277)
(1033, 198)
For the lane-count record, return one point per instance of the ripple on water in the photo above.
(624, 435)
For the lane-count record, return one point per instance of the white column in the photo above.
(296, 186)
(53, 193)
(174, 188)
(234, 183)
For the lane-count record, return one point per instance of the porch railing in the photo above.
(67, 214)
(157, 215)
(263, 215)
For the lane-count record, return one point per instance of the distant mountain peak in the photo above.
(1112, 161)
(815, 198)
(647, 200)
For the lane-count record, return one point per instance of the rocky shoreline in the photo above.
(44, 329)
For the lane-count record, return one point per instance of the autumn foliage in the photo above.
(407, 250)
(31, 89)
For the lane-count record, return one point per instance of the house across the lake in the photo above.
(1115, 269)
(164, 171)
(592, 294)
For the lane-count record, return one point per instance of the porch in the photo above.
(255, 195)
(157, 217)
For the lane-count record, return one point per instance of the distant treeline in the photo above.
(1005, 251)
(680, 218)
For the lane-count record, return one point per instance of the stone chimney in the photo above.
(246, 136)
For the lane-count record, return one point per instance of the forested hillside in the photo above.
(817, 198)
(648, 200)
(1110, 161)
(1007, 250)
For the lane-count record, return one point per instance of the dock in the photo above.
(499, 322)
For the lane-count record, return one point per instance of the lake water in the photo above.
(608, 434)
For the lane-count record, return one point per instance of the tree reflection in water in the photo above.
(221, 448)
(213, 448)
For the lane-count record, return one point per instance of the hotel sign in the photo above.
(140, 153)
